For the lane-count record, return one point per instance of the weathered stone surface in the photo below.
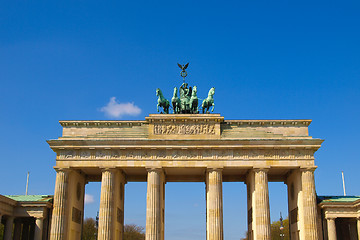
(184, 147)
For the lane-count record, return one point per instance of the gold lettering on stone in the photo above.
(184, 129)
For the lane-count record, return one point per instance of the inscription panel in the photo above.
(76, 215)
(184, 129)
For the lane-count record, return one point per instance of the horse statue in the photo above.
(194, 101)
(175, 101)
(162, 102)
(209, 101)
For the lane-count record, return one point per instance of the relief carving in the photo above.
(161, 154)
(184, 129)
(208, 153)
(130, 154)
(69, 154)
(115, 154)
(193, 154)
(144, 154)
(85, 154)
(99, 154)
(268, 154)
(244, 154)
(175, 154)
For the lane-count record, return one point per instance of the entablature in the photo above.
(186, 126)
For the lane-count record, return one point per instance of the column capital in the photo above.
(59, 169)
(155, 169)
(260, 169)
(106, 169)
(217, 169)
(330, 218)
(308, 169)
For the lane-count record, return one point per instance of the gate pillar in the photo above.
(58, 222)
(258, 205)
(155, 204)
(214, 205)
(111, 214)
(309, 204)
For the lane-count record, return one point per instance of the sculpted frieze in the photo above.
(69, 154)
(224, 154)
(86, 154)
(100, 154)
(194, 154)
(184, 129)
(176, 154)
(115, 154)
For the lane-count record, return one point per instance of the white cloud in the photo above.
(115, 109)
(89, 198)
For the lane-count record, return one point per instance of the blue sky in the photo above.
(267, 60)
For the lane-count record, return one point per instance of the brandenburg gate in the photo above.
(184, 148)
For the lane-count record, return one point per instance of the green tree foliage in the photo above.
(131, 232)
(275, 231)
(89, 229)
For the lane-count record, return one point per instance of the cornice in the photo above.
(355, 204)
(265, 123)
(99, 123)
(183, 118)
(194, 143)
(161, 118)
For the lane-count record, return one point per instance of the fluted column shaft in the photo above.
(106, 205)
(310, 231)
(17, 229)
(38, 228)
(154, 205)
(262, 206)
(9, 228)
(58, 222)
(31, 230)
(25, 231)
(214, 205)
(358, 227)
(331, 228)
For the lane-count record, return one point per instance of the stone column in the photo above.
(25, 231)
(106, 205)
(17, 229)
(358, 227)
(32, 230)
(9, 228)
(310, 231)
(331, 228)
(154, 204)
(214, 205)
(119, 195)
(262, 206)
(38, 228)
(58, 222)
